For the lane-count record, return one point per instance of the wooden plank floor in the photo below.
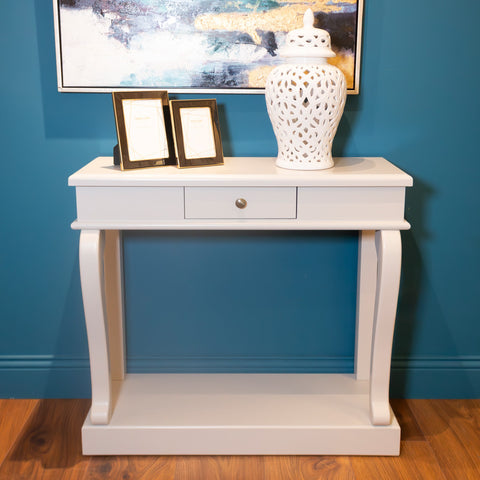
(40, 439)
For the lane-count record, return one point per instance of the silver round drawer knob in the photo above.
(240, 203)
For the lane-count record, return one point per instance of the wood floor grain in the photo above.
(13, 416)
(219, 467)
(308, 468)
(40, 439)
(452, 428)
(131, 468)
(417, 460)
(49, 445)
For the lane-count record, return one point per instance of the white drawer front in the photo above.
(126, 204)
(351, 203)
(226, 202)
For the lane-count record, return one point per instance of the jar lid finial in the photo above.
(308, 41)
(308, 19)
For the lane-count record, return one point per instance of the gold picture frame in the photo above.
(144, 129)
(196, 132)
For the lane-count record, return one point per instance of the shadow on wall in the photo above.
(89, 116)
(427, 373)
(347, 125)
(412, 283)
(68, 115)
(244, 123)
(225, 131)
(417, 199)
(70, 369)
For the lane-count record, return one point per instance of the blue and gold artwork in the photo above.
(191, 44)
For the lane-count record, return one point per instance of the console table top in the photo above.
(251, 171)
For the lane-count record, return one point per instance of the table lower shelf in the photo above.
(240, 414)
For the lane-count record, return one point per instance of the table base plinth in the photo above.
(241, 414)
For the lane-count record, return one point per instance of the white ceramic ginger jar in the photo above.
(305, 99)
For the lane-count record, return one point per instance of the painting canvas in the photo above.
(192, 45)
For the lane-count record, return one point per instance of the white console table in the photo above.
(237, 413)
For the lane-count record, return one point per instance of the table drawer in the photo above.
(347, 204)
(129, 204)
(240, 202)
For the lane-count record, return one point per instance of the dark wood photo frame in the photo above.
(196, 132)
(144, 131)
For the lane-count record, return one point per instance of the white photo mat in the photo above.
(197, 128)
(145, 129)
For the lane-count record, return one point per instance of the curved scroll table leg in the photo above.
(366, 286)
(92, 245)
(113, 261)
(389, 253)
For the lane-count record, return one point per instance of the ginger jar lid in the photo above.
(308, 41)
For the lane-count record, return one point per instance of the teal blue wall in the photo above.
(418, 107)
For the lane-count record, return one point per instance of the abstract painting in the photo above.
(192, 45)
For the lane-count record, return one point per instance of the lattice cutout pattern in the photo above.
(313, 38)
(305, 104)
